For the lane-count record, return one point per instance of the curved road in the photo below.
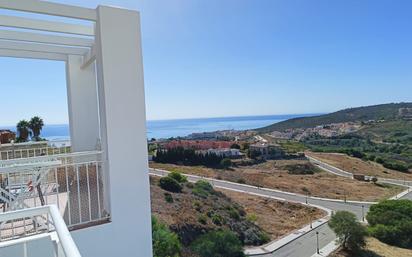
(305, 245)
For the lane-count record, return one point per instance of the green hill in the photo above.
(376, 112)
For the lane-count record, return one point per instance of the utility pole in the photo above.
(317, 242)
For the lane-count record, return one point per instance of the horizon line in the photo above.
(198, 118)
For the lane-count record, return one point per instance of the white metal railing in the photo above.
(19, 228)
(74, 182)
(32, 151)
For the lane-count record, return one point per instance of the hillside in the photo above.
(376, 112)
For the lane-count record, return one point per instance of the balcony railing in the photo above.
(19, 151)
(74, 182)
(23, 229)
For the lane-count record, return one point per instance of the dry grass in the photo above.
(375, 248)
(358, 166)
(272, 174)
(275, 217)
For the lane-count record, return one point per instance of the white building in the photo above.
(100, 190)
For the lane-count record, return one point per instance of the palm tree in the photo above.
(23, 129)
(36, 125)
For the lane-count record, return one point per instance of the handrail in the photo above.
(65, 239)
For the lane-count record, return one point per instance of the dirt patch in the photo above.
(376, 248)
(277, 218)
(358, 166)
(272, 174)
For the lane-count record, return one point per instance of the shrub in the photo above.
(264, 237)
(202, 188)
(221, 243)
(197, 205)
(178, 176)
(391, 222)
(395, 166)
(217, 219)
(165, 243)
(225, 163)
(251, 217)
(202, 219)
(168, 197)
(301, 169)
(170, 184)
(234, 214)
(349, 231)
(241, 181)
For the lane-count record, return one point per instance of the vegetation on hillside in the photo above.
(165, 243)
(396, 156)
(197, 212)
(391, 222)
(375, 112)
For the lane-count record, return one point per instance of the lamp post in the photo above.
(317, 242)
(306, 198)
(363, 213)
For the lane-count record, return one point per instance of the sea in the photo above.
(181, 127)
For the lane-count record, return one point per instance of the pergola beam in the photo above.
(48, 8)
(42, 48)
(42, 25)
(32, 55)
(46, 39)
(89, 57)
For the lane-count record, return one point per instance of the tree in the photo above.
(235, 146)
(23, 130)
(390, 221)
(226, 163)
(349, 231)
(165, 243)
(221, 243)
(36, 125)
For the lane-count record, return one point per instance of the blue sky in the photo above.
(244, 57)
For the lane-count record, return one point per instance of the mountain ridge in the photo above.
(389, 111)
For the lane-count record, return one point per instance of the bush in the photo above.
(349, 231)
(395, 166)
(226, 163)
(241, 181)
(168, 197)
(391, 222)
(178, 176)
(217, 219)
(221, 243)
(234, 214)
(170, 184)
(202, 219)
(251, 217)
(202, 189)
(165, 243)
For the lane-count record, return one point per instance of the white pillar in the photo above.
(82, 103)
(124, 143)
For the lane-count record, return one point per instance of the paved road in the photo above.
(304, 246)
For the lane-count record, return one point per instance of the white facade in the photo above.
(106, 103)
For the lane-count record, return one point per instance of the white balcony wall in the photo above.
(123, 127)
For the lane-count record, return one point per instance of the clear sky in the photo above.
(212, 58)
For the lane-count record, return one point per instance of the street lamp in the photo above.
(363, 213)
(317, 242)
